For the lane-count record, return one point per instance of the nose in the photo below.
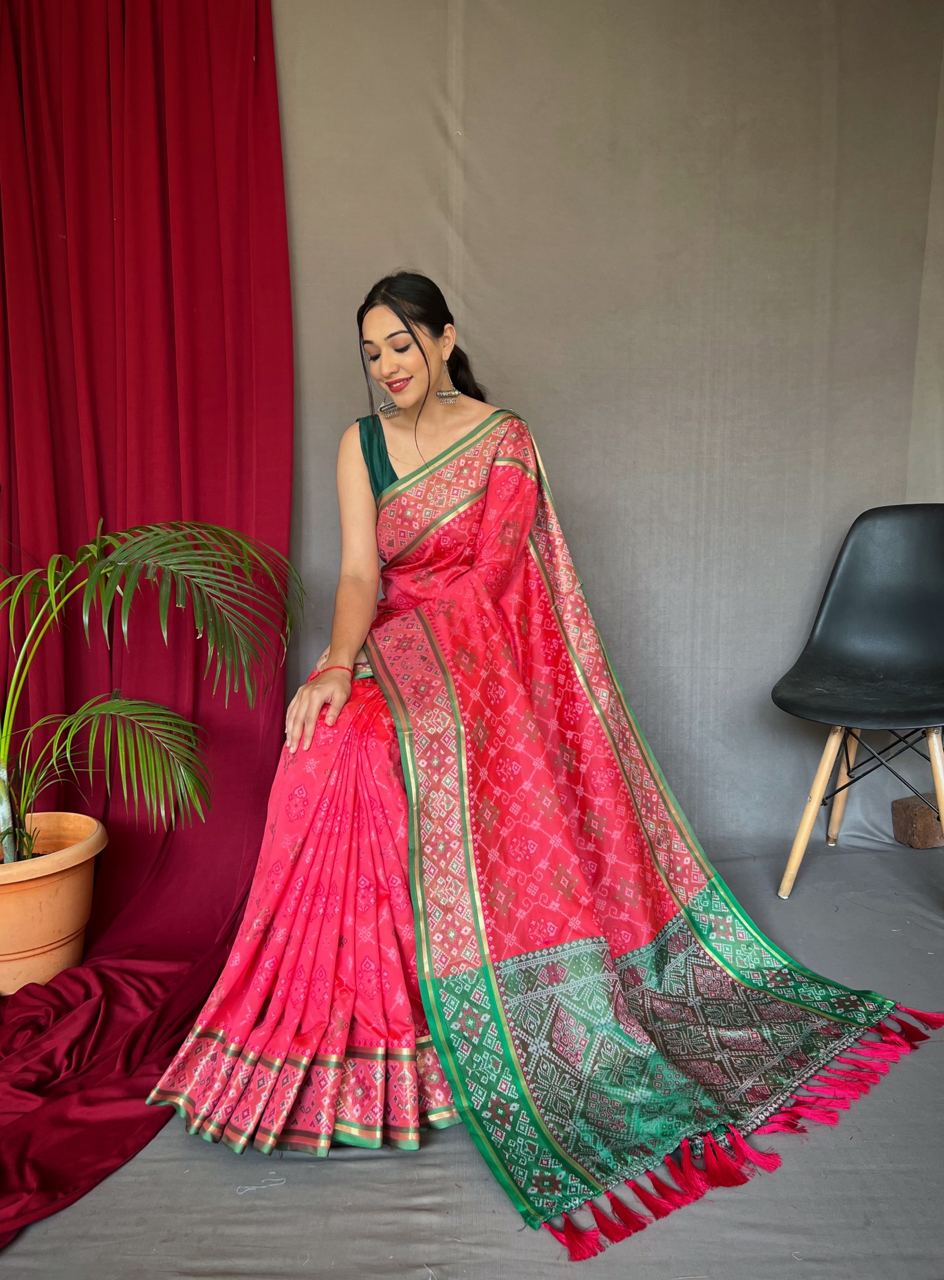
(388, 367)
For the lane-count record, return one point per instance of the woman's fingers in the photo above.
(333, 697)
(305, 716)
(310, 717)
(296, 704)
(290, 716)
(304, 706)
(303, 711)
(334, 702)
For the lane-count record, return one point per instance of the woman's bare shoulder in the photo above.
(353, 475)
(350, 439)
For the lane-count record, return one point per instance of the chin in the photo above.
(413, 401)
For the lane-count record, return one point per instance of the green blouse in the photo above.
(374, 449)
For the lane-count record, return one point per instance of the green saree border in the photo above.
(886, 1004)
(472, 436)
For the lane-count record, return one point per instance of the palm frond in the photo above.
(155, 751)
(246, 597)
(32, 585)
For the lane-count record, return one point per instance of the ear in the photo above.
(448, 340)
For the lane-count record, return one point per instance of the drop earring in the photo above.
(447, 395)
(389, 408)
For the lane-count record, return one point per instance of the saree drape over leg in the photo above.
(315, 1032)
(606, 1015)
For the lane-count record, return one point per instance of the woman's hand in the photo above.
(331, 690)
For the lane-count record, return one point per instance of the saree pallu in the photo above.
(587, 995)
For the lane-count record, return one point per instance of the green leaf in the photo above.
(131, 582)
(164, 602)
(32, 581)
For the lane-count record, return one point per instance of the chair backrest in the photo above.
(883, 606)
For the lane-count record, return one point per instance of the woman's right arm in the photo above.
(355, 601)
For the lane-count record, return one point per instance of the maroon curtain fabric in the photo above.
(145, 374)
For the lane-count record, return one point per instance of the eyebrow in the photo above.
(389, 335)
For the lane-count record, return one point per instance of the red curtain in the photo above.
(145, 374)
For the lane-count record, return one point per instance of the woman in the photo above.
(477, 898)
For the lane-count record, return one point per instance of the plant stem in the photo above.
(6, 818)
(24, 661)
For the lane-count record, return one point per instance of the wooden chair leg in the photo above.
(838, 806)
(813, 802)
(936, 752)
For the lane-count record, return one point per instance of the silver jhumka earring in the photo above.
(447, 395)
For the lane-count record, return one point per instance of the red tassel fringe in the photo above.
(580, 1242)
(848, 1076)
(933, 1021)
(660, 1202)
(688, 1175)
(610, 1227)
(782, 1123)
(766, 1160)
(628, 1217)
(722, 1169)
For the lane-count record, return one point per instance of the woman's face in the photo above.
(395, 361)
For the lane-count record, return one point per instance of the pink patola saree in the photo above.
(477, 899)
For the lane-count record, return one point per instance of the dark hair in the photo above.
(416, 299)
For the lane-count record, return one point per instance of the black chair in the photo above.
(874, 659)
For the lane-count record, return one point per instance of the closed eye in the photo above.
(398, 350)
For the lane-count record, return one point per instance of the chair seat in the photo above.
(864, 698)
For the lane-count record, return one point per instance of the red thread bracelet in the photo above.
(336, 666)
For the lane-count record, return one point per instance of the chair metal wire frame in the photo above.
(847, 776)
(907, 744)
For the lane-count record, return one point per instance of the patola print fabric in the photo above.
(477, 899)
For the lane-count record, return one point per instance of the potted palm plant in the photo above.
(243, 597)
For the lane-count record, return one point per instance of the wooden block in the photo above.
(915, 825)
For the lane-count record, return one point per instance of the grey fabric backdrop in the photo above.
(698, 246)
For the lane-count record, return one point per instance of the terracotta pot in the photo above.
(45, 901)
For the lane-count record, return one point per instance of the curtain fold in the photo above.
(146, 367)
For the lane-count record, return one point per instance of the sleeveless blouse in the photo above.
(374, 449)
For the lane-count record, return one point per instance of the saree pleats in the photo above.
(315, 1032)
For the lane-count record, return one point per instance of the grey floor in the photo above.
(862, 1200)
